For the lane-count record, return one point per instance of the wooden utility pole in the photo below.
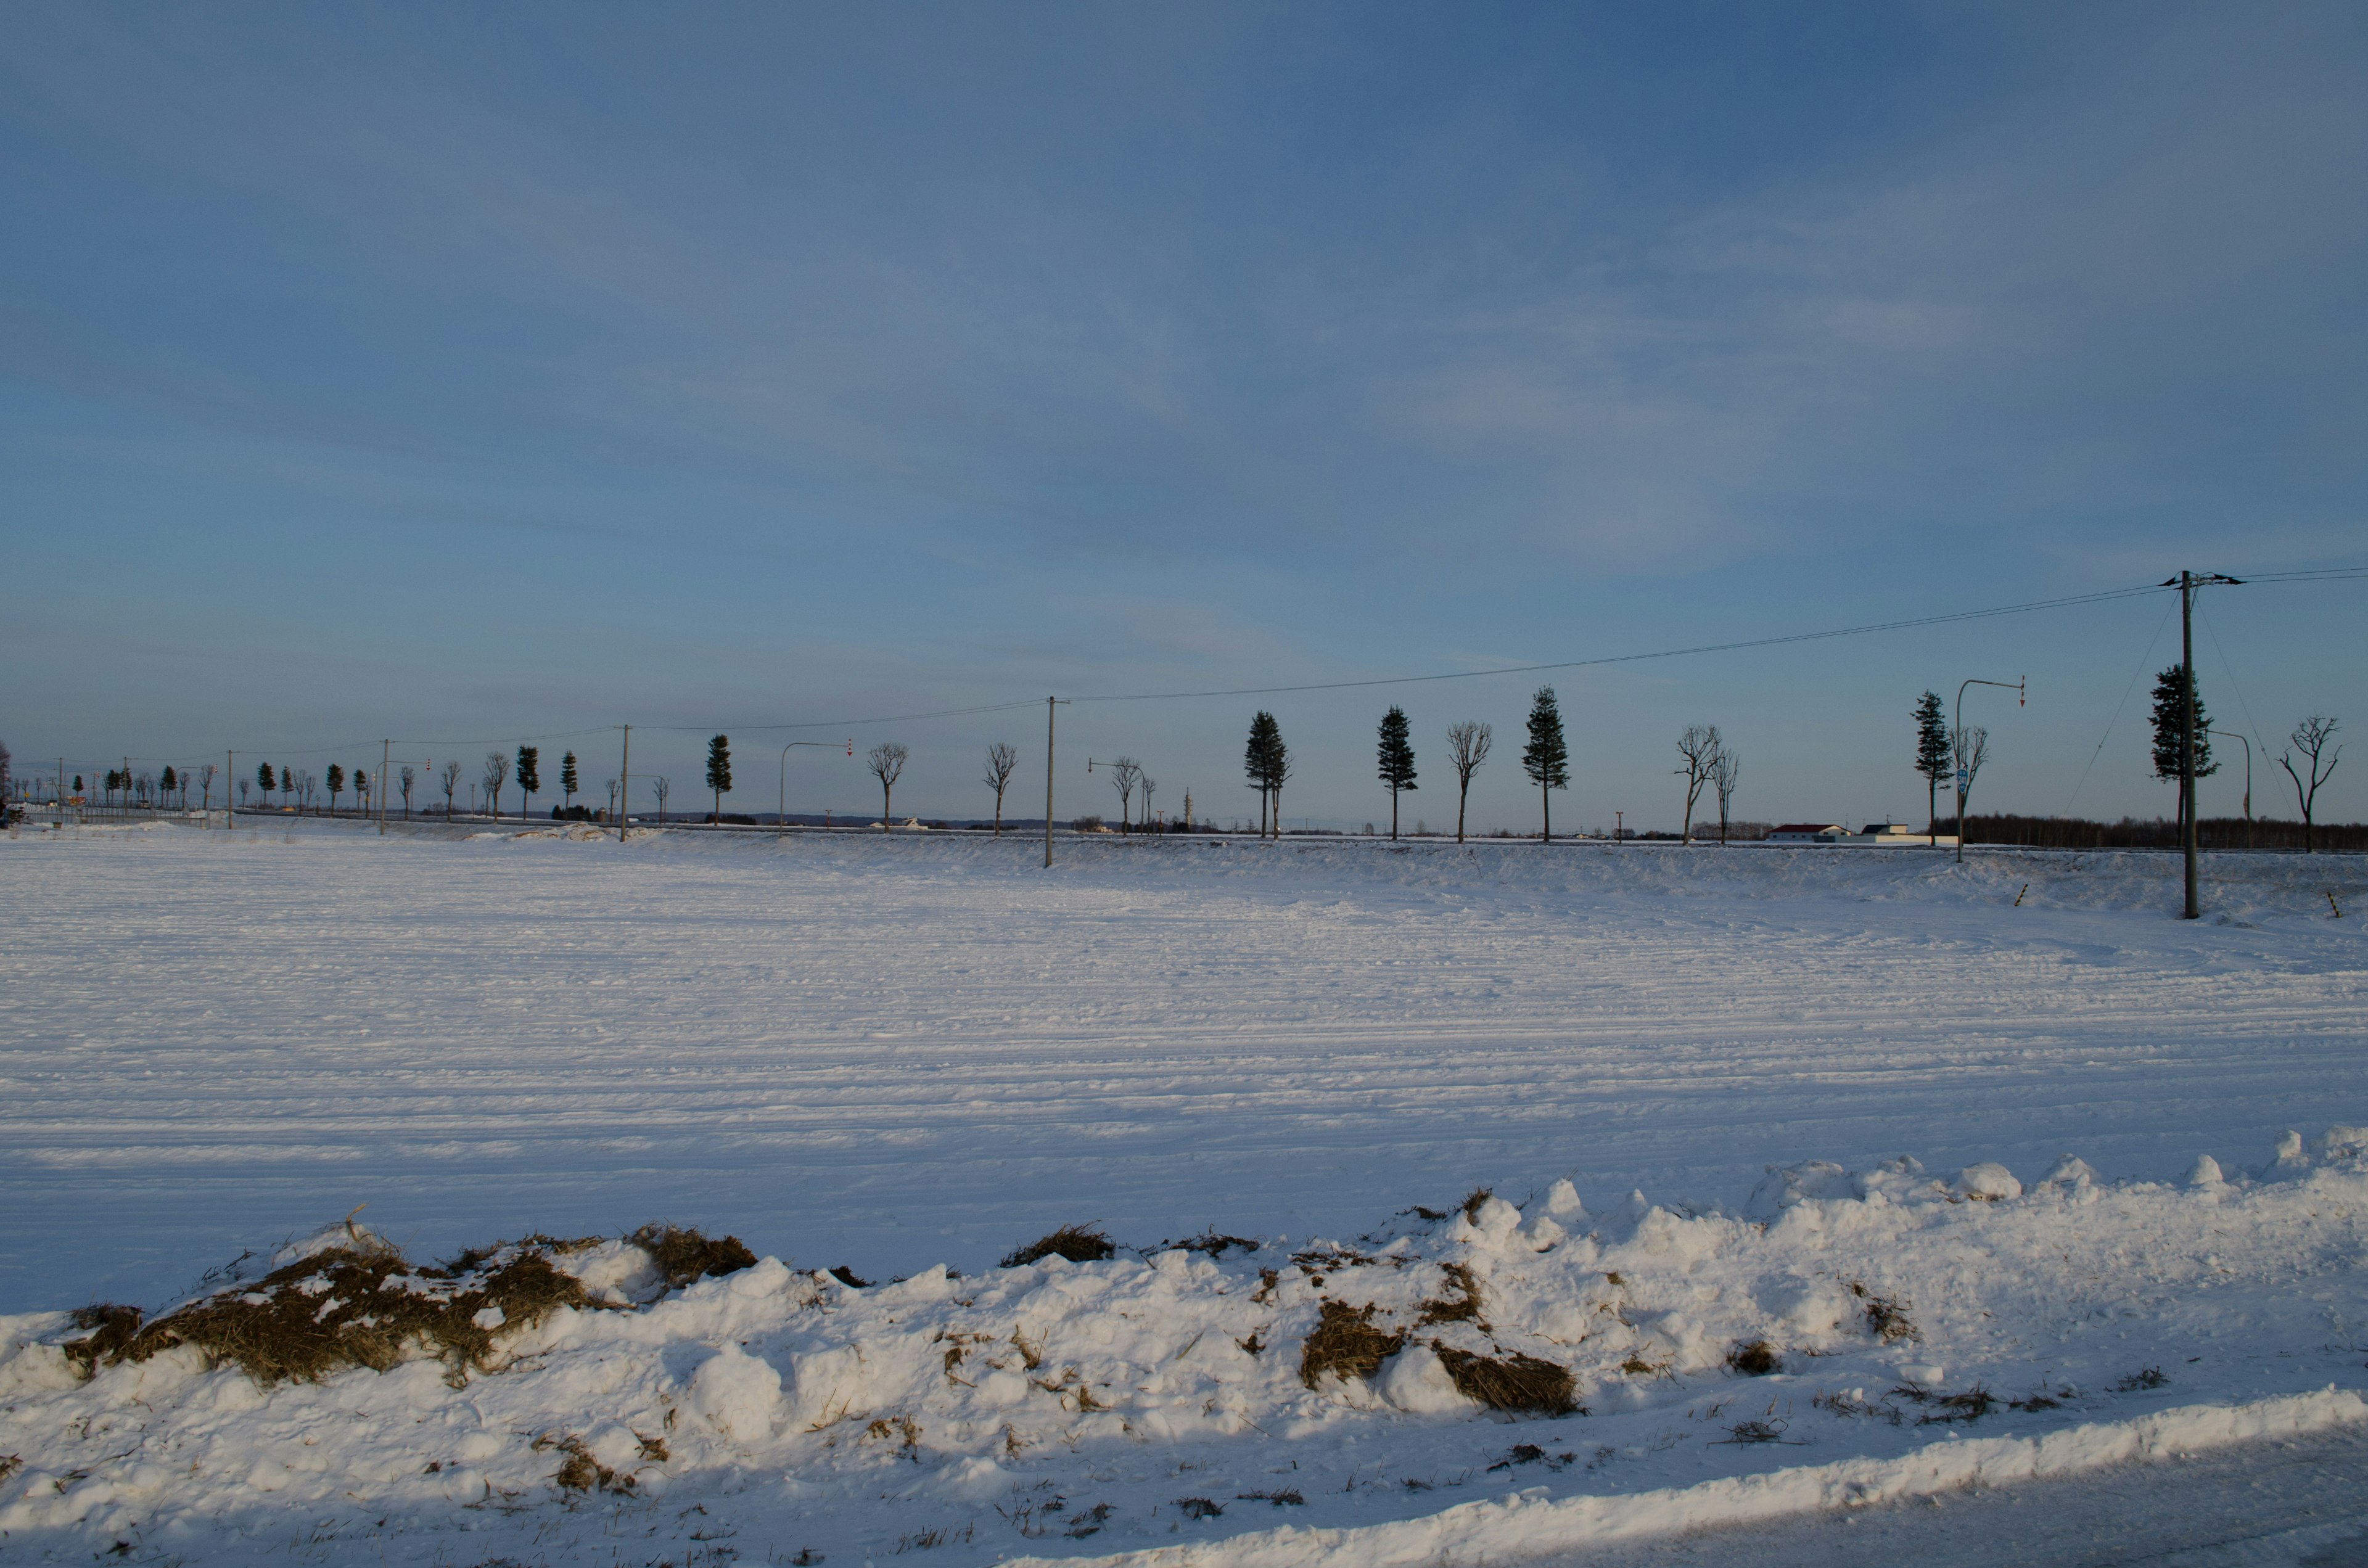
(624, 783)
(1050, 703)
(2187, 734)
(2187, 583)
(230, 782)
(385, 754)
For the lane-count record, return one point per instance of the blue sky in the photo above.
(462, 374)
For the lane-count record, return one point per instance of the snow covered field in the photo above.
(905, 1054)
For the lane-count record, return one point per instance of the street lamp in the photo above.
(1964, 780)
(2249, 776)
(782, 810)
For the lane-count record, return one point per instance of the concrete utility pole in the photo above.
(1964, 780)
(2187, 583)
(625, 784)
(1049, 704)
(230, 778)
(385, 751)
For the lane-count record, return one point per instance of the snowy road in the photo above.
(2272, 1504)
(895, 1054)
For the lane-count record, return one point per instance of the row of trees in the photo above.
(1940, 753)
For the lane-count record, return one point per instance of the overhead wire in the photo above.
(2143, 660)
(1736, 645)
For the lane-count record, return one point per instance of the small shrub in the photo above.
(2149, 1378)
(1287, 1498)
(1198, 1507)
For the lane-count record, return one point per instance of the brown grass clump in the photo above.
(1512, 1383)
(1200, 1507)
(1214, 1245)
(579, 1471)
(1753, 1358)
(1886, 1316)
(1078, 1243)
(1969, 1406)
(1462, 1306)
(112, 1328)
(1345, 1342)
(684, 1256)
(1471, 1205)
(349, 1307)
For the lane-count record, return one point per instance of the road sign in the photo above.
(1963, 778)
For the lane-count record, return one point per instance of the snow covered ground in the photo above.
(905, 1056)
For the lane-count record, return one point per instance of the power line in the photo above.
(2143, 660)
(1658, 654)
(2335, 573)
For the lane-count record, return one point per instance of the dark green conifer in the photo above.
(1546, 759)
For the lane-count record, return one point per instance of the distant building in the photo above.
(1809, 833)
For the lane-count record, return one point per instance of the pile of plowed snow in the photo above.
(1554, 1357)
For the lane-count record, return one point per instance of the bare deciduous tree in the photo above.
(2313, 738)
(886, 761)
(206, 773)
(1724, 775)
(496, 774)
(612, 803)
(1467, 748)
(450, 779)
(410, 782)
(1697, 751)
(1150, 786)
(659, 785)
(1125, 773)
(1002, 760)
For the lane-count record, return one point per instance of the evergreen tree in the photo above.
(1268, 763)
(362, 789)
(1931, 757)
(530, 776)
(336, 784)
(170, 781)
(287, 784)
(1257, 760)
(2169, 719)
(1396, 759)
(719, 770)
(1546, 759)
(567, 779)
(265, 781)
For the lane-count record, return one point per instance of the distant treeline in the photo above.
(2158, 833)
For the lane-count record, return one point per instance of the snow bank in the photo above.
(1923, 1333)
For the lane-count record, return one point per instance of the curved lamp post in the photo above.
(781, 811)
(1964, 781)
